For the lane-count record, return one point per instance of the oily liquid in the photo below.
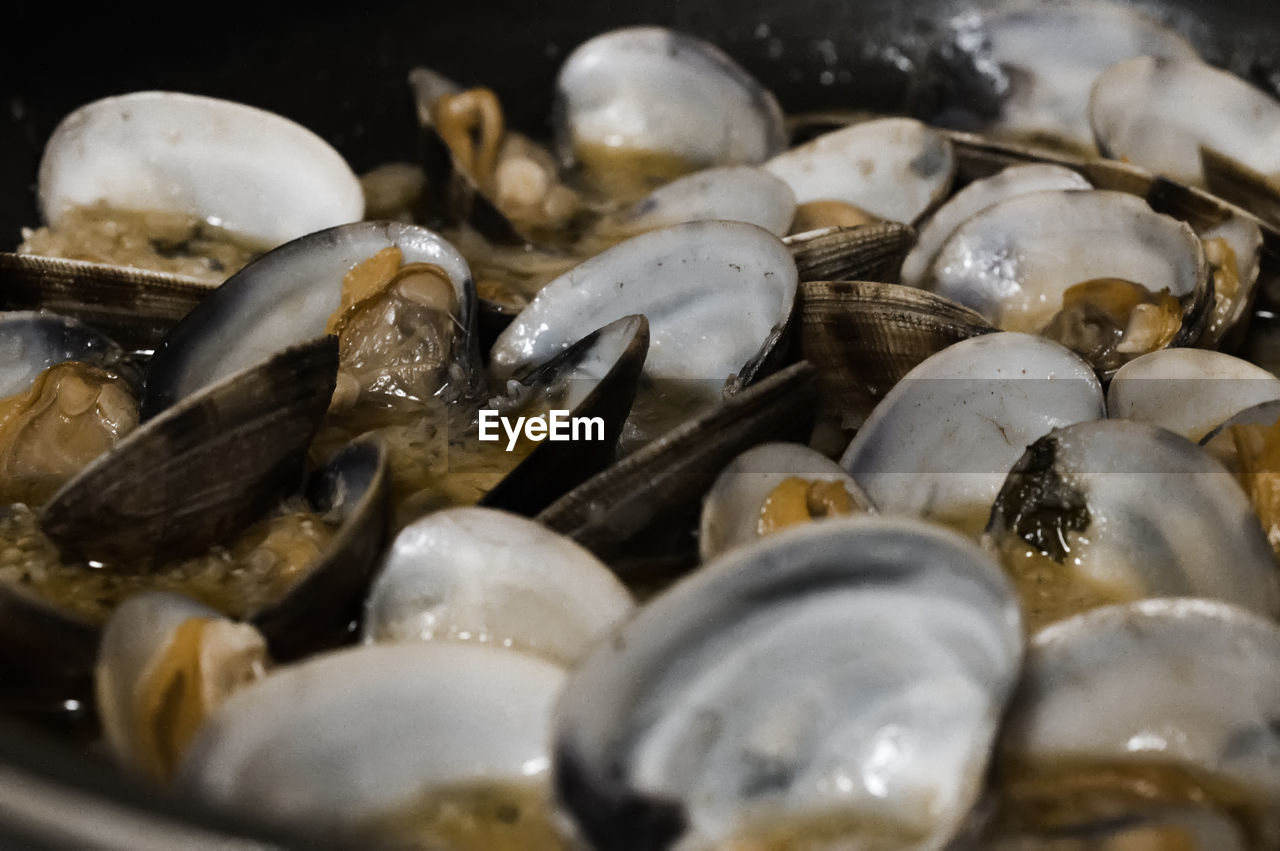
(824, 831)
(174, 243)
(475, 817)
(257, 570)
(1049, 591)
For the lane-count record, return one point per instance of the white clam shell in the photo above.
(1052, 53)
(1183, 681)
(136, 638)
(476, 574)
(244, 169)
(941, 442)
(362, 732)
(1188, 391)
(1013, 261)
(976, 197)
(1158, 113)
(857, 665)
(894, 168)
(1164, 517)
(731, 509)
(713, 292)
(731, 193)
(654, 89)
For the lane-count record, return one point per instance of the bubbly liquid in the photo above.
(258, 569)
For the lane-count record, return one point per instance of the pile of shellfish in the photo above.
(932, 505)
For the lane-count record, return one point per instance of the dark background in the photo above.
(340, 68)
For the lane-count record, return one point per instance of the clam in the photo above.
(894, 168)
(841, 681)
(976, 197)
(290, 295)
(245, 170)
(871, 252)
(359, 738)
(1237, 244)
(772, 487)
(992, 395)
(654, 104)
(688, 280)
(1129, 711)
(67, 394)
(165, 663)
(299, 601)
(1161, 112)
(1114, 511)
(1023, 70)
(476, 574)
(864, 337)
(1097, 270)
(32, 342)
(1188, 391)
(730, 193)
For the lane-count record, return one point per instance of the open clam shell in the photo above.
(1014, 261)
(1254, 246)
(1160, 113)
(476, 574)
(687, 280)
(992, 395)
(654, 94)
(165, 663)
(595, 378)
(1022, 70)
(1188, 391)
(855, 669)
(32, 342)
(734, 511)
(894, 168)
(212, 159)
(203, 469)
(1097, 695)
(367, 732)
(976, 197)
(286, 297)
(50, 653)
(1118, 510)
(729, 193)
